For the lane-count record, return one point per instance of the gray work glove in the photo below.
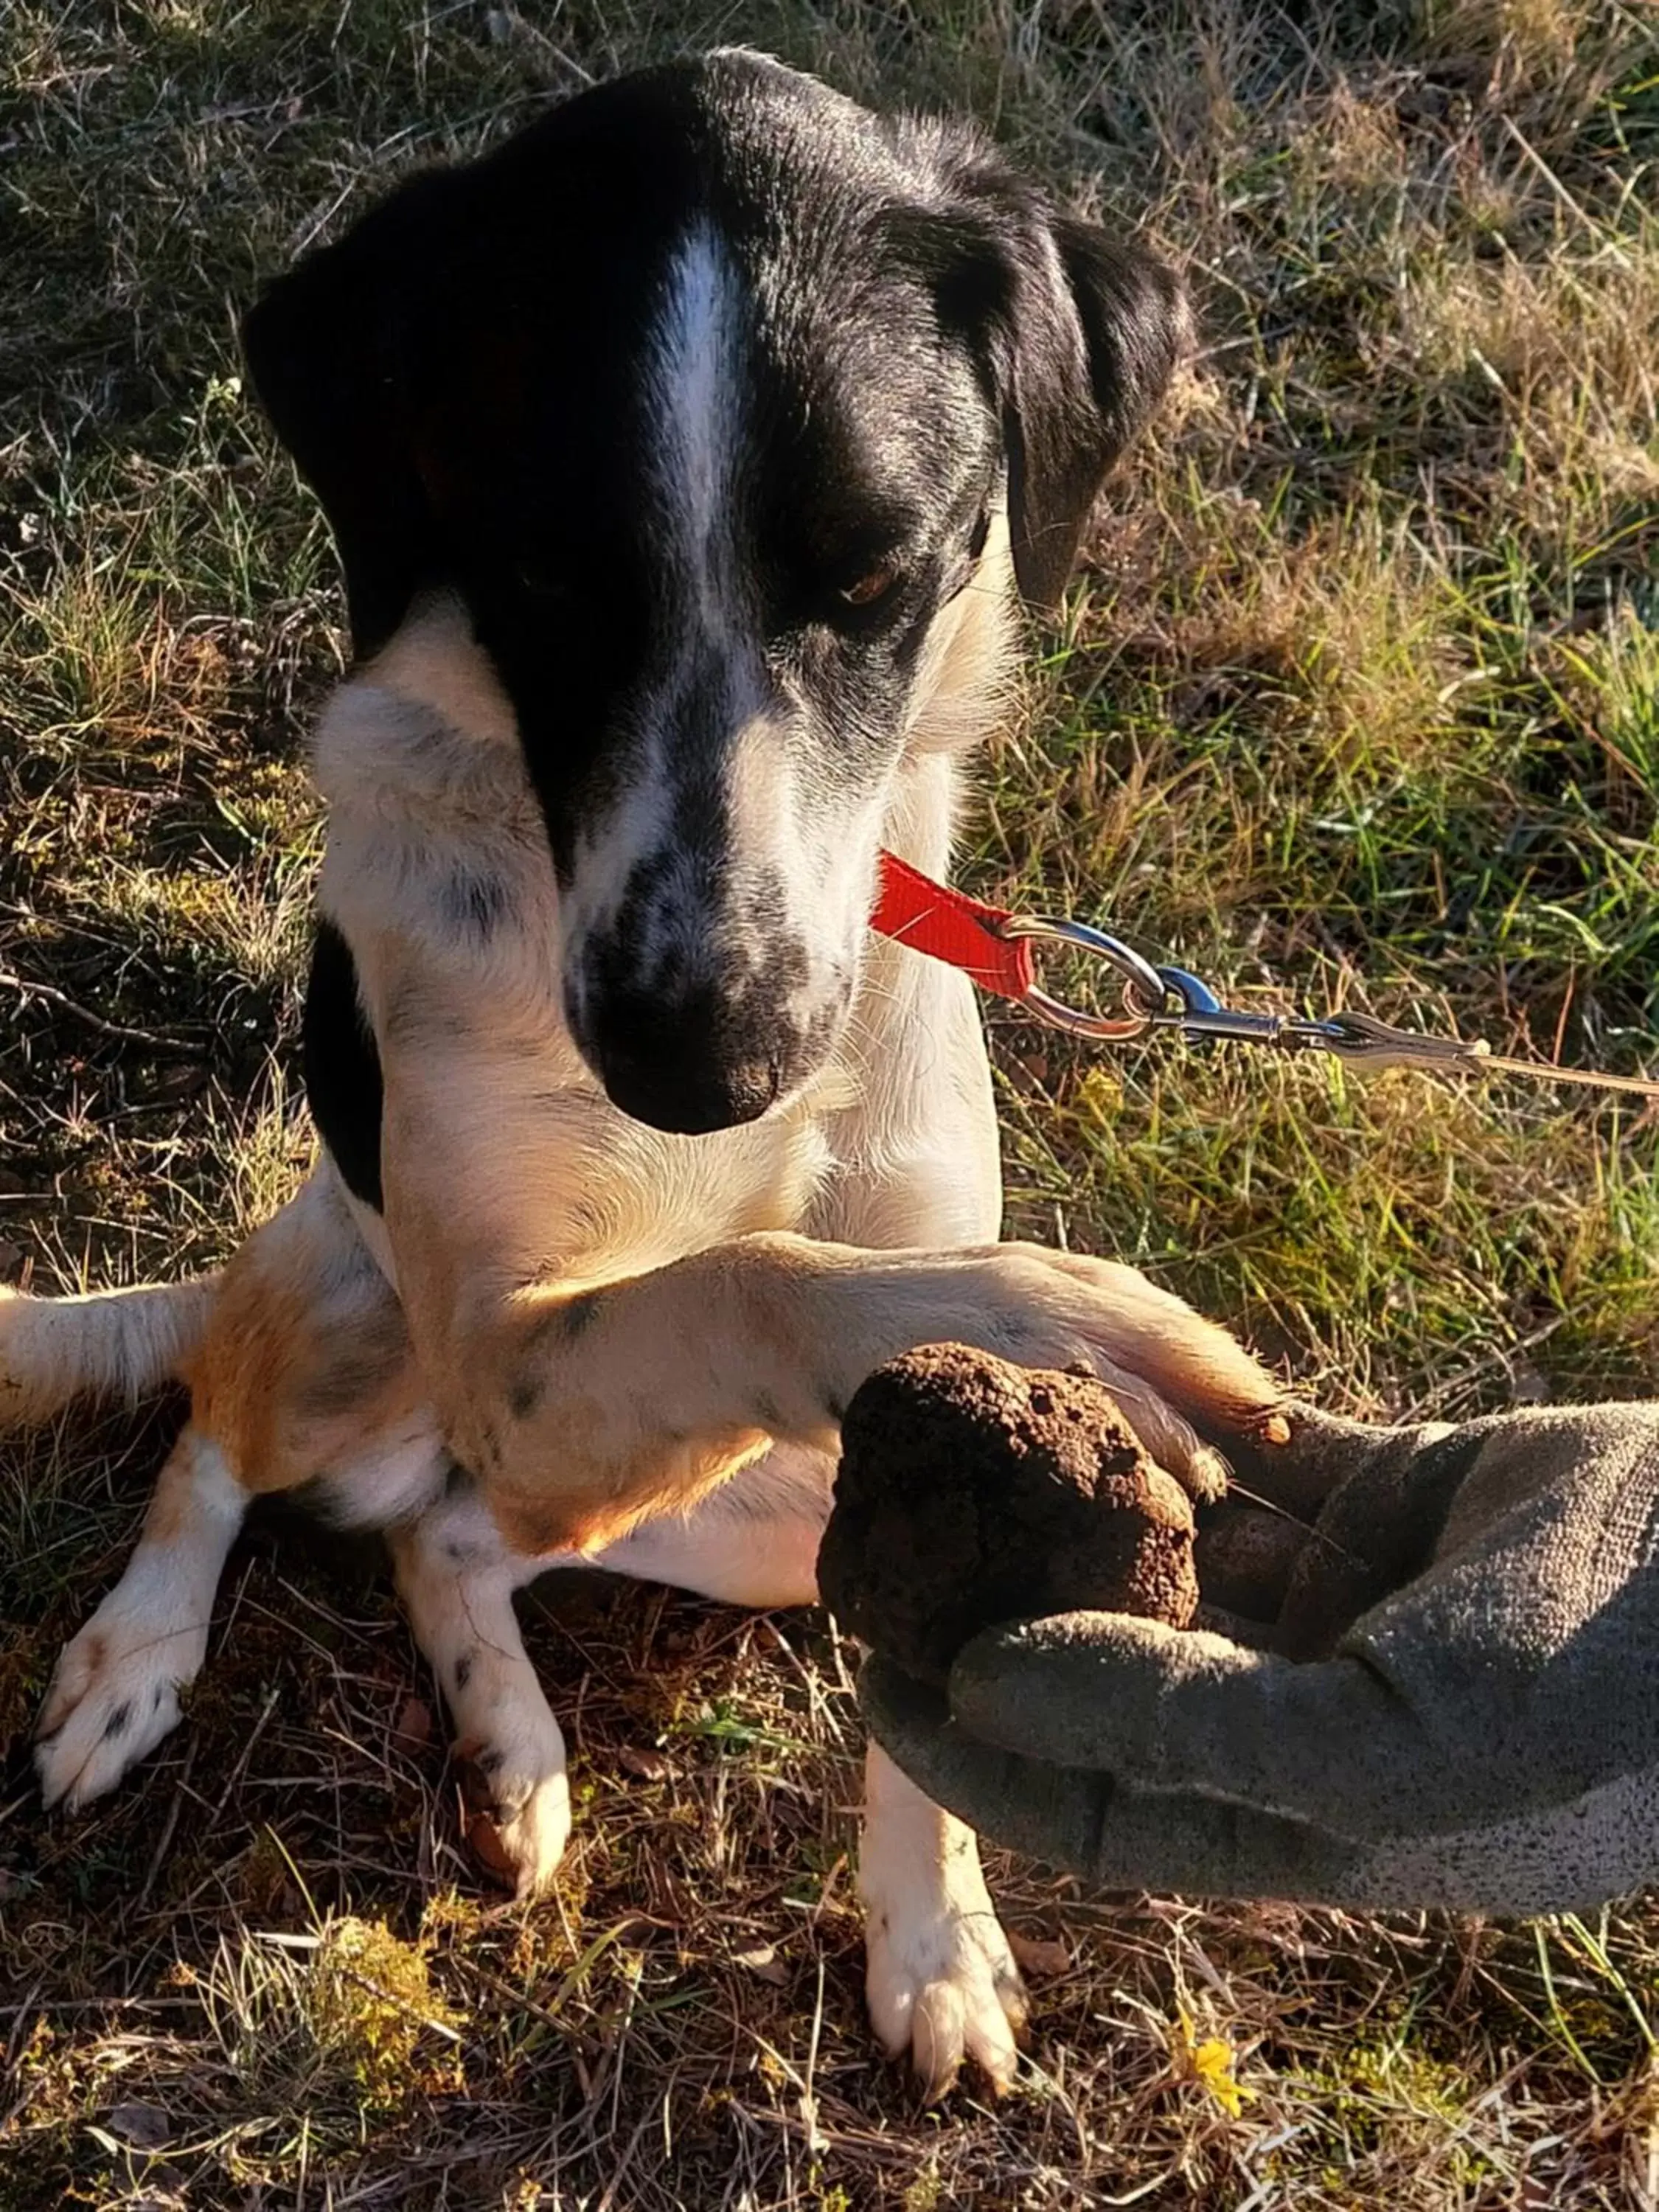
(1449, 1696)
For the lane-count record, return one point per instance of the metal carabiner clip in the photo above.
(1197, 1014)
(1143, 986)
(1173, 999)
(1153, 998)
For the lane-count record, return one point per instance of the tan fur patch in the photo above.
(261, 1335)
(571, 1519)
(306, 1361)
(173, 1504)
(432, 661)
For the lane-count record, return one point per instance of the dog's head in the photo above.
(723, 404)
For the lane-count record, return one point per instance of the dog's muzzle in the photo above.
(690, 1068)
(698, 1060)
(699, 1017)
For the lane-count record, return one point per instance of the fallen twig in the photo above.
(122, 1032)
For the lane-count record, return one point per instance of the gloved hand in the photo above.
(1449, 1695)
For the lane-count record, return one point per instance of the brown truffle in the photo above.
(972, 1492)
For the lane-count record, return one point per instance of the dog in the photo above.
(688, 457)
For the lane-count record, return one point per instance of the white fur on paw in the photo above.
(517, 1809)
(940, 1980)
(114, 1695)
(1165, 1435)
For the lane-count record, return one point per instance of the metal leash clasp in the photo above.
(1155, 997)
(1170, 997)
(1137, 974)
(1355, 1037)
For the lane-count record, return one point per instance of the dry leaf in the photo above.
(478, 1815)
(485, 1838)
(1042, 1957)
(143, 2127)
(764, 1964)
(412, 1729)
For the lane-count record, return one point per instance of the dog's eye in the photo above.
(878, 584)
(982, 532)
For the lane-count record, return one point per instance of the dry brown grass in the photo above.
(1355, 705)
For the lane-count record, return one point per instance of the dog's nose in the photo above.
(681, 1095)
(684, 1070)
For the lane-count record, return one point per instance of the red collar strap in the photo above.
(994, 947)
(949, 926)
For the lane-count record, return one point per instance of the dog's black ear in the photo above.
(1094, 330)
(326, 350)
(1077, 333)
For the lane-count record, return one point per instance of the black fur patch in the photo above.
(343, 1084)
(566, 1321)
(474, 903)
(351, 1371)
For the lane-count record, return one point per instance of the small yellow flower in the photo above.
(1208, 2060)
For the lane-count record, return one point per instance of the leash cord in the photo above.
(995, 948)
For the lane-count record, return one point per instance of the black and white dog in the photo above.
(687, 457)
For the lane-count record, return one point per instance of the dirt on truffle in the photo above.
(972, 1492)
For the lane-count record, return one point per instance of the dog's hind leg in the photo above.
(754, 1543)
(302, 1376)
(456, 1578)
(115, 1692)
(941, 1981)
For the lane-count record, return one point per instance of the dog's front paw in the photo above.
(940, 1980)
(1178, 1378)
(517, 1800)
(114, 1695)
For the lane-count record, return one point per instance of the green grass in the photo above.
(1354, 705)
